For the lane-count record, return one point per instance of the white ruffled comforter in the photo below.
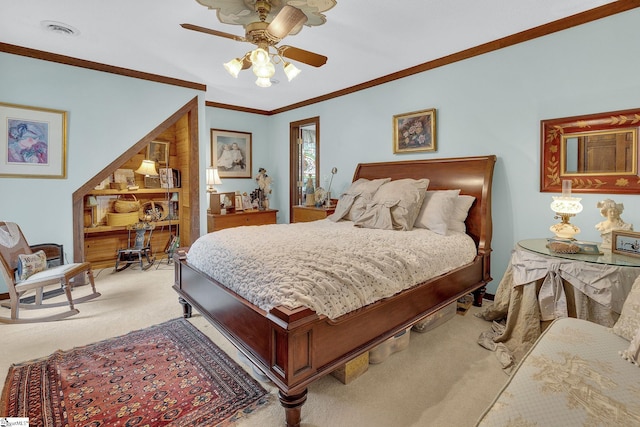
(332, 268)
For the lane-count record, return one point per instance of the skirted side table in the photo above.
(540, 286)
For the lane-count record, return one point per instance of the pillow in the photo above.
(30, 264)
(395, 205)
(352, 202)
(460, 212)
(436, 210)
(632, 354)
(629, 321)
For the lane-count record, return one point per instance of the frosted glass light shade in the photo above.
(233, 67)
(567, 205)
(291, 70)
(263, 82)
(259, 56)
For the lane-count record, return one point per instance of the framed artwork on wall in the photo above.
(414, 132)
(231, 153)
(33, 142)
(158, 152)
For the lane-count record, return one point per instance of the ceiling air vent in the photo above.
(59, 28)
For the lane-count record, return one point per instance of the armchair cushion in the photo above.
(29, 264)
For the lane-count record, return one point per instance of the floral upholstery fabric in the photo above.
(573, 376)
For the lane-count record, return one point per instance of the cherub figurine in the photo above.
(611, 211)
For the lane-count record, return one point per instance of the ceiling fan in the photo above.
(267, 23)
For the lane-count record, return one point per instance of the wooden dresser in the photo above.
(217, 222)
(311, 213)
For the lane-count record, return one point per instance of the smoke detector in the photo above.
(59, 28)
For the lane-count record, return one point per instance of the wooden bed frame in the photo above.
(294, 347)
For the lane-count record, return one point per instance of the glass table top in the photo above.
(540, 246)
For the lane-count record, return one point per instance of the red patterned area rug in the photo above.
(166, 375)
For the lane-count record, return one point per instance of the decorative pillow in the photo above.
(395, 205)
(31, 264)
(436, 210)
(628, 323)
(460, 212)
(352, 202)
(632, 354)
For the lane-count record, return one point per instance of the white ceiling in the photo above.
(363, 40)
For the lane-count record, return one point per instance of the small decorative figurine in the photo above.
(264, 183)
(611, 211)
(309, 193)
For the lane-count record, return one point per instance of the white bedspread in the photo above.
(332, 268)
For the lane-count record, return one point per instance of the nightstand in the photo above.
(217, 222)
(311, 213)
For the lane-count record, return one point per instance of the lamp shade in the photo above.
(147, 167)
(213, 178)
(566, 205)
(259, 56)
(291, 70)
(233, 67)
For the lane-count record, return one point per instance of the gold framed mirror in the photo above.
(598, 153)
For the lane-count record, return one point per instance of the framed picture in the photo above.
(239, 204)
(414, 132)
(231, 153)
(158, 152)
(33, 142)
(625, 243)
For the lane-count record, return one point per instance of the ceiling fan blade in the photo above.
(213, 32)
(286, 20)
(301, 55)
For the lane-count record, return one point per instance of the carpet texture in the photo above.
(166, 375)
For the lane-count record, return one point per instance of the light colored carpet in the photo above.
(444, 378)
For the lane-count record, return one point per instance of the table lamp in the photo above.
(92, 203)
(565, 207)
(213, 179)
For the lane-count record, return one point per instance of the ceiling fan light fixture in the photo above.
(259, 56)
(291, 70)
(266, 71)
(263, 82)
(233, 67)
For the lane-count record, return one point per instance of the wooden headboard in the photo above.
(472, 175)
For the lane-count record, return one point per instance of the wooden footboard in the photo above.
(294, 347)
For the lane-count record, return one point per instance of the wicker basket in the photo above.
(122, 205)
(121, 219)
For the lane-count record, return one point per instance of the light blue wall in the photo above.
(259, 127)
(490, 104)
(107, 114)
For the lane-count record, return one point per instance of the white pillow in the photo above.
(628, 323)
(395, 205)
(460, 212)
(352, 202)
(436, 210)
